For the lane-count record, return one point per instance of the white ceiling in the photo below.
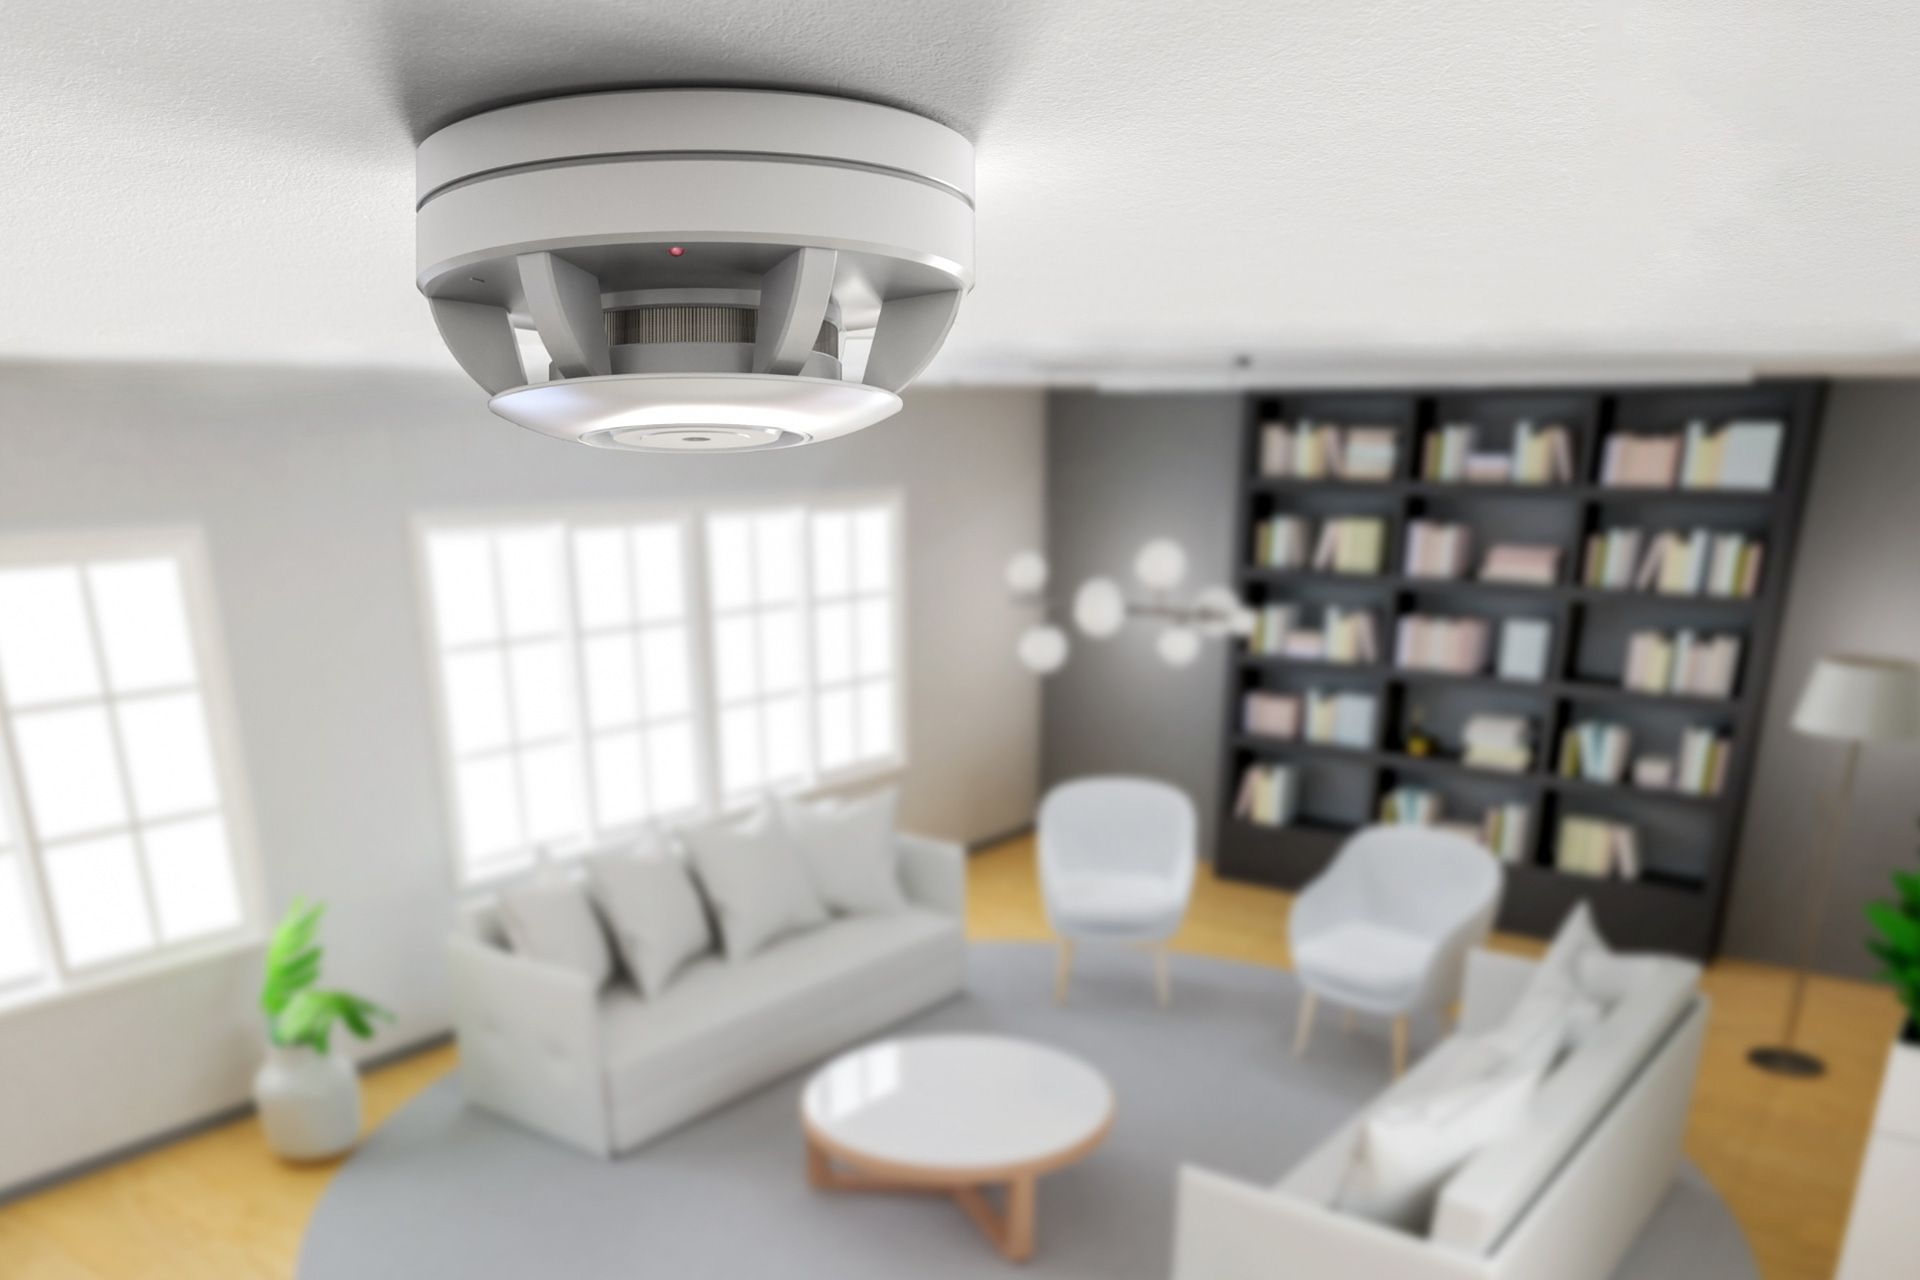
(1342, 189)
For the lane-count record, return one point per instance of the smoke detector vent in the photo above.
(693, 261)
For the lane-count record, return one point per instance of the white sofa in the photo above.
(1562, 1198)
(605, 1071)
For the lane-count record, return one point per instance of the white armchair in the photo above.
(1385, 930)
(1117, 861)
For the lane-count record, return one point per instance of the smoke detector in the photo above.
(697, 264)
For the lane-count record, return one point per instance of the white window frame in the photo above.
(691, 518)
(59, 979)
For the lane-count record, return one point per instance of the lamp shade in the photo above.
(1861, 699)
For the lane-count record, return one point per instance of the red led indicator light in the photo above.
(676, 251)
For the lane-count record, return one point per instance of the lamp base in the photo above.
(1782, 1061)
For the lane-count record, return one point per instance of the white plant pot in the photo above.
(309, 1102)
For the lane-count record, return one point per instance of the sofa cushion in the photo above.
(552, 922)
(716, 1009)
(647, 898)
(847, 847)
(754, 879)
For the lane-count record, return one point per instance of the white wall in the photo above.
(305, 483)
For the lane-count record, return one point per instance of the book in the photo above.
(1411, 806)
(1536, 564)
(1271, 715)
(1500, 742)
(1597, 847)
(1266, 796)
(1686, 662)
(1631, 461)
(1750, 455)
(1595, 751)
(1342, 718)
(1432, 643)
(1281, 542)
(1308, 450)
(1503, 829)
(1436, 549)
(1350, 545)
(1697, 562)
(1525, 644)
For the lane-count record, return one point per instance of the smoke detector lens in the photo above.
(696, 413)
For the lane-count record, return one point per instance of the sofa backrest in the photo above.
(1483, 1201)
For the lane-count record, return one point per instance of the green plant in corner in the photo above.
(297, 1014)
(1898, 944)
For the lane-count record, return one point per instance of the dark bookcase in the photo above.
(1687, 842)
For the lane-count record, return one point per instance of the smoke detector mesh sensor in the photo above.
(694, 261)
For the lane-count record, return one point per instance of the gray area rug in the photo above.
(442, 1190)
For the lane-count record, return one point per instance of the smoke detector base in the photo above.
(695, 259)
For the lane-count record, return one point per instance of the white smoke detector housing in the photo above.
(696, 262)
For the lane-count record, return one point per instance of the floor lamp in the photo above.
(1853, 700)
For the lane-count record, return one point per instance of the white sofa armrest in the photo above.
(1493, 985)
(530, 1043)
(1230, 1230)
(934, 873)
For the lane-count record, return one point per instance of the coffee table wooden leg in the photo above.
(1022, 1205)
(819, 1172)
(1010, 1230)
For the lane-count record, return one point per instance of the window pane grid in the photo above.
(796, 622)
(121, 851)
(854, 636)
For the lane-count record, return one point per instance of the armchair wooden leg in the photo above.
(1162, 980)
(1400, 1046)
(1303, 1030)
(1063, 971)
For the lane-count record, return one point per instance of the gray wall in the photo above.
(1856, 587)
(305, 483)
(1122, 470)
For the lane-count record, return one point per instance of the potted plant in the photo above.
(307, 1094)
(1898, 948)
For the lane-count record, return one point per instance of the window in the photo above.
(597, 674)
(115, 790)
(565, 676)
(756, 593)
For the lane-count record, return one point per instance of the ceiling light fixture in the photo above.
(791, 223)
(1101, 609)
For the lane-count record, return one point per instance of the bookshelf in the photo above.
(1686, 841)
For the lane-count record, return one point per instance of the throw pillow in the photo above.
(754, 880)
(1408, 1150)
(847, 848)
(658, 921)
(554, 924)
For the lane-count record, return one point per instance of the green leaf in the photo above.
(1908, 882)
(1898, 928)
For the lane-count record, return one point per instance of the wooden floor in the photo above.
(1783, 1153)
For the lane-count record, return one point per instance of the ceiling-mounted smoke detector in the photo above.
(695, 262)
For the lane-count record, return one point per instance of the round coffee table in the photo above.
(956, 1115)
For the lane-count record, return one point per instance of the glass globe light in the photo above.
(1027, 573)
(1178, 646)
(1098, 607)
(1043, 649)
(1161, 565)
